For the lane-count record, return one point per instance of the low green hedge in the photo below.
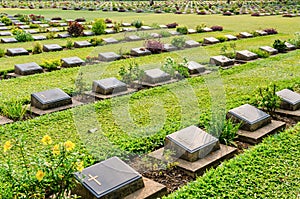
(268, 170)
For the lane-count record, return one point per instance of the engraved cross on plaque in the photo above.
(94, 178)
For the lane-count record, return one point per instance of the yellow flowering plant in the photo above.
(50, 175)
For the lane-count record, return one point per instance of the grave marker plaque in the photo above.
(2, 28)
(39, 37)
(133, 38)
(154, 76)
(251, 117)
(261, 32)
(109, 31)
(63, 35)
(52, 47)
(231, 37)
(245, 35)
(195, 68)
(108, 86)
(126, 24)
(246, 55)
(88, 33)
(191, 143)
(191, 44)
(140, 51)
(269, 50)
(50, 99)
(290, 100)
(111, 178)
(109, 56)
(146, 28)
(221, 61)
(5, 34)
(210, 40)
(191, 31)
(17, 51)
(110, 40)
(28, 68)
(82, 44)
(71, 62)
(9, 40)
(290, 46)
(169, 47)
(207, 29)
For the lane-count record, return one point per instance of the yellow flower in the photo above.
(79, 166)
(56, 150)
(69, 145)
(46, 140)
(40, 175)
(7, 146)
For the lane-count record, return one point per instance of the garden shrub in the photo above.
(200, 28)
(280, 46)
(165, 33)
(271, 31)
(137, 23)
(37, 48)
(296, 40)
(131, 74)
(221, 38)
(23, 36)
(99, 27)
(183, 30)
(6, 20)
(154, 46)
(172, 25)
(51, 64)
(96, 41)
(260, 53)
(69, 44)
(2, 52)
(173, 68)
(75, 29)
(14, 110)
(50, 35)
(217, 28)
(178, 42)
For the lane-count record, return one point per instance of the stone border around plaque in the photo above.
(5, 120)
(221, 60)
(290, 100)
(198, 167)
(250, 117)
(196, 69)
(254, 137)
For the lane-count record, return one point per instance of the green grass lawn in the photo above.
(138, 123)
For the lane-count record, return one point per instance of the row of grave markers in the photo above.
(192, 149)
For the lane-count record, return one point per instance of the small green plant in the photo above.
(179, 42)
(137, 23)
(182, 29)
(96, 41)
(51, 175)
(80, 84)
(99, 27)
(69, 44)
(16, 30)
(221, 38)
(260, 53)
(2, 52)
(51, 65)
(14, 110)
(22, 36)
(280, 46)
(267, 99)
(50, 35)
(173, 68)
(228, 51)
(200, 28)
(229, 132)
(37, 48)
(131, 74)
(6, 20)
(165, 33)
(296, 40)
(117, 27)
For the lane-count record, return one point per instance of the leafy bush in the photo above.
(69, 44)
(165, 33)
(14, 110)
(75, 29)
(267, 99)
(15, 30)
(117, 27)
(179, 42)
(51, 175)
(96, 41)
(217, 28)
(131, 74)
(34, 25)
(137, 23)
(271, 31)
(182, 30)
(172, 25)
(230, 51)
(6, 20)
(154, 46)
(37, 48)
(50, 35)
(2, 52)
(260, 53)
(23, 36)
(280, 45)
(296, 40)
(221, 38)
(51, 64)
(200, 28)
(99, 26)
(173, 68)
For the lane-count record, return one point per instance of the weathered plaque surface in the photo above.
(28, 68)
(290, 99)
(155, 35)
(246, 55)
(210, 40)
(191, 44)
(133, 38)
(245, 35)
(191, 143)
(109, 86)
(207, 29)
(17, 51)
(231, 37)
(2, 28)
(155, 76)
(221, 61)
(9, 40)
(5, 34)
(290, 46)
(82, 44)
(50, 99)
(192, 31)
(261, 32)
(269, 49)
(195, 67)
(110, 40)
(140, 51)
(63, 35)
(146, 28)
(72, 62)
(169, 47)
(39, 37)
(109, 56)
(251, 117)
(51, 47)
(111, 178)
